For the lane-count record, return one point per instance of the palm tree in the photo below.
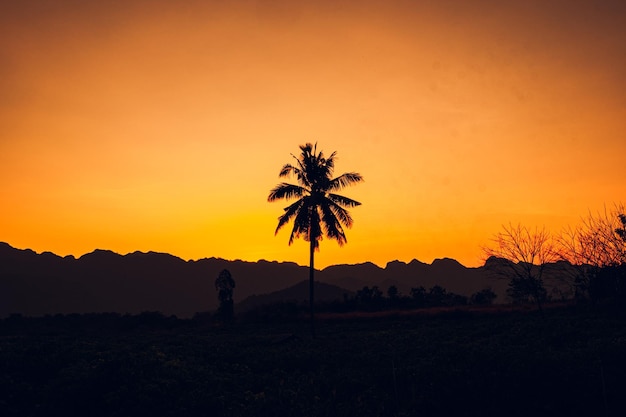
(318, 210)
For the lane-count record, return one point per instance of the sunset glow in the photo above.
(162, 126)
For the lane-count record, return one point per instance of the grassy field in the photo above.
(460, 363)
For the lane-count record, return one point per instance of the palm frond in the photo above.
(316, 170)
(301, 222)
(290, 212)
(286, 191)
(342, 214)
(301, 172)
(343, 201)
(308, 148)
(330, 161)
(315, 229)
(288, 170)
(332, 225)
(344, 180)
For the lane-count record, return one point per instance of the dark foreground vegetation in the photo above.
(571, 361)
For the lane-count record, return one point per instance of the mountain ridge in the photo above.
(105, 281)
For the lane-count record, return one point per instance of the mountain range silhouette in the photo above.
(35, 284)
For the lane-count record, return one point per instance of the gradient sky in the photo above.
(157, 125)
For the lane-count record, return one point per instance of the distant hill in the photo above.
(298, 293)
(103, 281)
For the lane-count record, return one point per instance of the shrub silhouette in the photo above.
(483, 297)
(225, 284)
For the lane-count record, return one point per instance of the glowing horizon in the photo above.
(151, 126)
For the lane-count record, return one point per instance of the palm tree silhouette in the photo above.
(318, 210)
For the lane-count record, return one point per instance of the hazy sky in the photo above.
(157, 125)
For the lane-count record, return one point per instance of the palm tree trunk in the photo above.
(311, 286)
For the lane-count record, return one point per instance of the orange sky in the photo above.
(156, 125)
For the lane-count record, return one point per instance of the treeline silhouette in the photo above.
(373, 299)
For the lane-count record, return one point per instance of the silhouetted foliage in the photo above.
(369, 298)
(527, 290)
(419, 296)
(225, 284)
(317, 211)
(437, 296)
(393, 297)
(524, 255)
(609, 283)
(372, 299)
(392, 292)
(621, 230)
(483, 297)
(597, 249)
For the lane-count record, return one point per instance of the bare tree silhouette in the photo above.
(621, 230)
(318, 210)
(595, 246)
(526, 254)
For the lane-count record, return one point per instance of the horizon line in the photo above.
(235, 260)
